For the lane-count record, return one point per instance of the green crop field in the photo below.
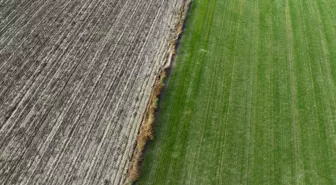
(251, 98)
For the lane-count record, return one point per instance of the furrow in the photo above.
(52, 74)
(39, 109)
(75, 78)
(67, 119)
(122, 94)
(42, 63)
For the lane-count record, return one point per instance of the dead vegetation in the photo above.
(146, 129)
(146, 132)
(178, 31)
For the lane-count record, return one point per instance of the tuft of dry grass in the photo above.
(146, 129)
(179, 28)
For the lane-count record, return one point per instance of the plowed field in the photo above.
(75, 80)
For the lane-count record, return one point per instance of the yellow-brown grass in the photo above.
(146, 129)
(146, 132)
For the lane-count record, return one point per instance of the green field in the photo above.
(251, 98)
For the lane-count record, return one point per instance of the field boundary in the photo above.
(146, 129)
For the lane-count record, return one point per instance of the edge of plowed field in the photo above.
(146, 129)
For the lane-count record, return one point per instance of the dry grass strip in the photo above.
(146, 129)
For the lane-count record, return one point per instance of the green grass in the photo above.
(251, 99)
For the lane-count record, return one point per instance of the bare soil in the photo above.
(75, 81)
